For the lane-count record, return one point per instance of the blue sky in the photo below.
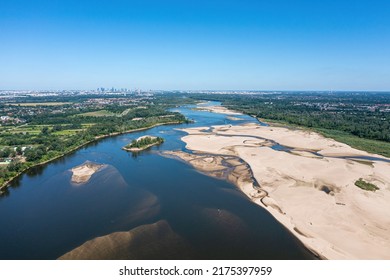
(264, 45)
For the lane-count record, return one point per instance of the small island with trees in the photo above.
(143, 143)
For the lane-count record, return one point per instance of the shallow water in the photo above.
(44, 215)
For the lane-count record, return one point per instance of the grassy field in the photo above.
(37, 129)
(125, 112)
(40, 104)
(371, 146)
(100, 113)
(105, 113)
(67, 132)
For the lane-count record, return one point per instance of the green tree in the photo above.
(19, 151)
(5, 152)
(45, 130)
(15, 166)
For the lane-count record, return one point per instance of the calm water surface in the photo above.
(44, 215)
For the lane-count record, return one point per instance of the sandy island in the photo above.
(82, 173)
(309, 188)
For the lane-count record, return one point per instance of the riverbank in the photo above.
(310, 187)
(6, 184)
(216, 109)
(369, 145)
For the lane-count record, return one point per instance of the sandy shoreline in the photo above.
(311, 194)
(216, 109)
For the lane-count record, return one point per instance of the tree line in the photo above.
(353, 113)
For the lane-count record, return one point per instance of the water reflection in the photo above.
(36, 170)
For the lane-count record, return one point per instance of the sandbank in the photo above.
(217, 109)
(309, 189)
(82, 173)
(159, 238)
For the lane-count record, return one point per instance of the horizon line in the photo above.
(209, 90)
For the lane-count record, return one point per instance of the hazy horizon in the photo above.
(200, 90)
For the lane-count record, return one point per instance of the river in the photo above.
(45, 215)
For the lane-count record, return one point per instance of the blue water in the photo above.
(44, 215)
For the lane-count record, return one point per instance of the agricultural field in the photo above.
(35, 104)
(27, 129)
(106, 113)
(100, 113)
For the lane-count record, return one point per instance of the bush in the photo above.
(365, 185)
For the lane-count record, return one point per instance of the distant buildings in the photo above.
(10, 120)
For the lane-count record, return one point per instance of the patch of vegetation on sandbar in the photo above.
(366, 185)
(143, 143)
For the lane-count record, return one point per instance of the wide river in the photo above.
(44, 215)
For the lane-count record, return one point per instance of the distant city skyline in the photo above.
(202, 45)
